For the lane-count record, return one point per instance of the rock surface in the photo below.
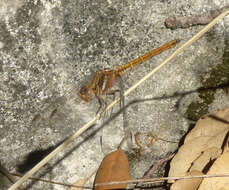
(49, 49)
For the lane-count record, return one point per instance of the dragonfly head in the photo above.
(86, 93)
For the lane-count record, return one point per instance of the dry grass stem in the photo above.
(143, 181)
(50, 181)
(160, 179)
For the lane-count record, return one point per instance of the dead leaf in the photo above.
(208, 155)
(210, 125)
(188, 184)
(194, 148)
(190, 151)
(201, 147)
(186, 155)
(114, 167)
(220, 166)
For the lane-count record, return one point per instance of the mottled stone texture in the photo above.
(49, 49)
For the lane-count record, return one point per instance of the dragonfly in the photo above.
(105, 79)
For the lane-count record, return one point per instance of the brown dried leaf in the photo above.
(208, 155)
(188, 184)
(210, 131)
(186, 155)
(220, 166)
(193, 149)
(114, 167)
(210, 125)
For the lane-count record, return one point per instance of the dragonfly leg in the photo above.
(102, 106)
(113, 93)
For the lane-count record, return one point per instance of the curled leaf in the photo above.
(114, 167)
(210, 125)
(208, 155)
(202, 144)
(186, 155)
(220, 166)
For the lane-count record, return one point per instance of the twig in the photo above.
(90, 123)
(175, 22)
(56, 182)
(53, 182)
(149, 173)
(160, 179)
(10, 177)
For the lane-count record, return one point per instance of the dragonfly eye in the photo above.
(85, 94)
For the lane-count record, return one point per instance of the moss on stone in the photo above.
(218, 79)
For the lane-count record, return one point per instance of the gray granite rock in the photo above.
(49, 49)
